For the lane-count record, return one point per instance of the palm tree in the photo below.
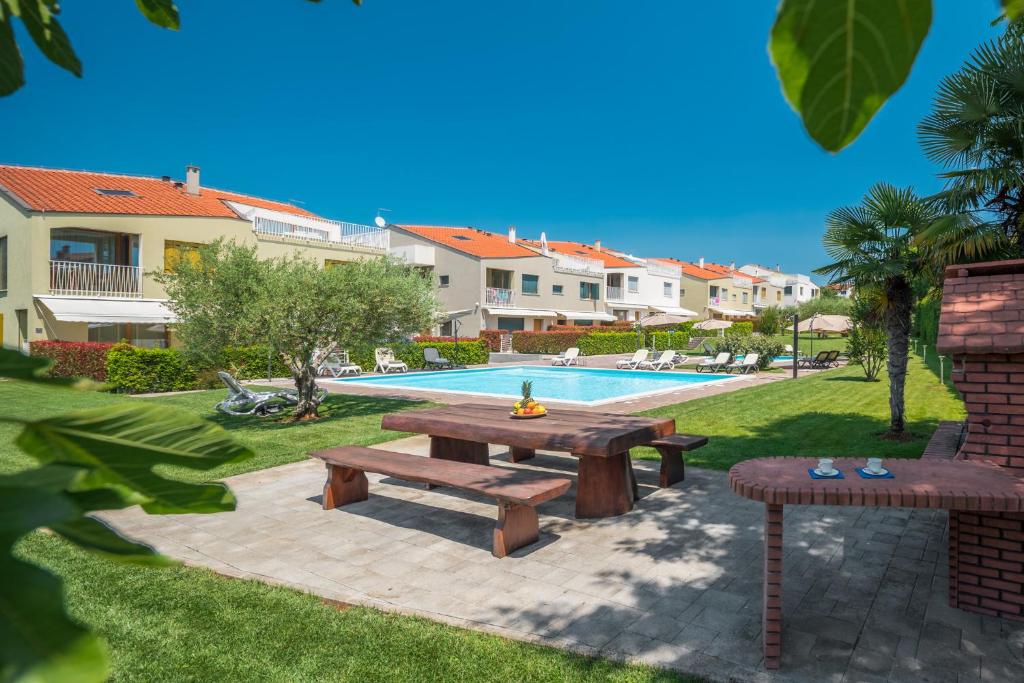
(873, 247)
(976, 131)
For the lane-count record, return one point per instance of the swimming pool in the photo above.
(776, 359)
(582, 386)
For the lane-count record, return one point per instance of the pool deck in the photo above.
(630, 405)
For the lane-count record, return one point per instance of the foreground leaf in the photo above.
(1013, 9)
(840, 61)
(120, 447)
(161, 12)
(16, 365)
(12, 73)
(40, 21)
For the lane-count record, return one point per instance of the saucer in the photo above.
(833, 473)
(880, 473)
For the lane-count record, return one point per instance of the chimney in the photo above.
(778, 268)
(597, 245)
(544, 243)
(192, 180)
(166, 178)
(701, 262)
(732, 265)
(511, 234)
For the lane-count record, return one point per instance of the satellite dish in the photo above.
(379, 220)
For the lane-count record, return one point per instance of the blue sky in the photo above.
(657, 127)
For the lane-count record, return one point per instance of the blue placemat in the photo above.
(810, 471)
(864, 474)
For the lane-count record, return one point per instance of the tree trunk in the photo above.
(305, 382)
(897, 329)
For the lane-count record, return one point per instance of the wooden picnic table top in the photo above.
(574, 431)
(928, 483)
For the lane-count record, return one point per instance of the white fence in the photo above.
(664, 269)
(319, 230)
(72, 278)
(564, 263)
(499, 298)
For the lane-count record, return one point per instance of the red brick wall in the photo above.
(993, 389)
(987, 563)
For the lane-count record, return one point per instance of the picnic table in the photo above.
(776, 482)
(600, 441)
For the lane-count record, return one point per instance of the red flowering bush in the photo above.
(74, 359)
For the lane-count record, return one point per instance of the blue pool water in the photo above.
(590, 386)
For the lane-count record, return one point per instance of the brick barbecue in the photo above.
(981, 327)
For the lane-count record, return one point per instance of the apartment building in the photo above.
(714, 290)
(77, 249)
(486, 280)
(796, 287)
(634, 287)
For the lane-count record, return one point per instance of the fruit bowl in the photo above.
(528, 403)
(527, 417)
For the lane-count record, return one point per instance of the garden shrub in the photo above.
(598, 343)
(768, 348)
(137, 370)
(735, 344)
(468, 351)
(74, 359)
(742, 328)
(492, 338)
(926, 317)
(868, 346)
(250, 362)
(546, 342)
(669, 339)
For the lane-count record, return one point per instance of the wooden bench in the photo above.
(671, 449)
(517, 492)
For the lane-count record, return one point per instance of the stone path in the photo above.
(675, 583)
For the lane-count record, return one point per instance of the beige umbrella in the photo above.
(662, 319)
(712, 324)
(825, 323)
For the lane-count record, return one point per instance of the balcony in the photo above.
(73, 278)
(716, 301)
(577, 265)
(664, 269)
(620, 294)
(310, 229)
(496, 297)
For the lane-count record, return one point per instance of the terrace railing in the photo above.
(74, 278)
(579, 265)
(496, 297)
(664, 269)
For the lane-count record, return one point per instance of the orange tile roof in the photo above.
(587, 251)
(472, 241)
(46, 189)
(710, 271)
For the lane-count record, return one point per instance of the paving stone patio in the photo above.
(675, 583)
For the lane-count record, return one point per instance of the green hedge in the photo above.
(598, 343)
(468, 352)
(139, 370)
(671, 339)
(743, 328)
(547, 342)
(250, 362)
(926, 318)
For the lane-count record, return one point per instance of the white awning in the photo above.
(676, 310)
(452, 315)
(96, 310)
(734, 312)
(521, 312)
(582, 315)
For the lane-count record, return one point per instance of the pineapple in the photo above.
(527, 390)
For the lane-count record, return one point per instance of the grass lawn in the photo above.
(185, 624)
(830, 413)
(347, 420)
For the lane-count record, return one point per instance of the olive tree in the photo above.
(228, 296)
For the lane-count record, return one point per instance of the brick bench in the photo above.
(946, 441)
(518, 493)
(671, 449)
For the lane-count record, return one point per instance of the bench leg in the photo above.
(445, 448)
(344, 485)
(521, 454)
(771, 624)
(673, 469)
(517, 527)
(604, 487)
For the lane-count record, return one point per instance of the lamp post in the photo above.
(796, 344)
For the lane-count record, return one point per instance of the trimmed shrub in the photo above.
(74, 359)
(546, 342)
(742, 328)
(492, 338)
(670, 339)
(599, 343)
(250, 362)
(137, 370)
(767, 347)
(467, 352)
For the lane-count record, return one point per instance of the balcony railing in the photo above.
(579, 265)
(664, 269)
(72, 278)
(317, 230)
(620, 294)
(496, 297)
(714, 301)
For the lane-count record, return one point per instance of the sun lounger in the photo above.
(433, 359)
(817, 362)
(745, 366)
(386, 361)
(665, 360)
(338, 364)
(716, 364)
(708, 351)
(631, 363)
(568, 358)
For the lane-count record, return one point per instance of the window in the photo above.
(713, 291)
(3, 266)
(530, 284)
(590, 290)
(778, 296)
(115, 193)
(149, 336)
(682, 293)
(666, 288)
(94, 246)
(333, 263)
(556, 289)
(460, 237)
(583, 323)
(447, 329)
(801, 291)
(633, 283)
(512, 324)
(176, 252)
(744, 297)
(442, 280)
(788, 290)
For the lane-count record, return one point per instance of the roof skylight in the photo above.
(115, 193)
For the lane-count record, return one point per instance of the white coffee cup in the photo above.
(825, 466)
(874, 465)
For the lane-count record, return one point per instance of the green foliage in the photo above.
(547, 342)
(89, 461)
(742, 328)
(660, 341)
(735, 344)
(839, 62)
(468, 352)
(926, 317)
(975, 132)
(74, 359)
(230, 297)
(766, 347)
(771, 321)
(138, 370)
(823, 306)
(250, 362)
(599, 343)
(867, 348)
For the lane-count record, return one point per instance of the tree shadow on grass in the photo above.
(335, 408)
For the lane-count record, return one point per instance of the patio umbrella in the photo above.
(662, 319)
(824, 323)
(712, 324)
